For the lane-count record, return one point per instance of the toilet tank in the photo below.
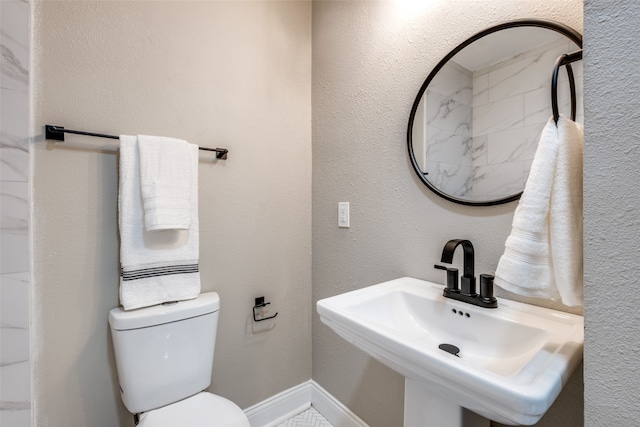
(164, 353)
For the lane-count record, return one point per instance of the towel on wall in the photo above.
(543, 254)
(156, 266)
(166, 175)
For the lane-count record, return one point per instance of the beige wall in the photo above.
(237, 75)
(369, 60)
(219, 74)
(612, 203)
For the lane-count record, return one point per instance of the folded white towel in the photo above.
(156, 266)
(543, 253)
(166, 175)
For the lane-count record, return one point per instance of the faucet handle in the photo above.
(452, 277)
(486, 288)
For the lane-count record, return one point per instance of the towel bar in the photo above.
(56, 133)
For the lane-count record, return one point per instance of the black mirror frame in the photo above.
(568, 32)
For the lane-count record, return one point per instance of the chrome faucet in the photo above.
(467, 291)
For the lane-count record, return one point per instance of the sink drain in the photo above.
(450, 348)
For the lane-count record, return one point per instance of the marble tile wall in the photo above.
(511, 105)
(15, 369)
(481, 129)
(448, 132)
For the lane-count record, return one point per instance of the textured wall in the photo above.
(612, 222)
(219, 74)
(15, 265)
(369, 60)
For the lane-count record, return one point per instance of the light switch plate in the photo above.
(343, 214)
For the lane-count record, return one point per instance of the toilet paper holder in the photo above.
(259, 303)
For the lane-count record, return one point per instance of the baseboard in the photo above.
(332, 409)
(280, 407)
(283, 406)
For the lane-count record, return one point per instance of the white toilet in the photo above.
(164, 358)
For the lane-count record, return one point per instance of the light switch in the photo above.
(343, 214)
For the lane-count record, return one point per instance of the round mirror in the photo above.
(475, 123)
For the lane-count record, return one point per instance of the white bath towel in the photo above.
(166, 176)
(543, 253)
(156, 266)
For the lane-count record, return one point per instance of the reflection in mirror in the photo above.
(477, 120)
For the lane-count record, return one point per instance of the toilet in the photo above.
(164, 359)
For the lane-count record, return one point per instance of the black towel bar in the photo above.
(56, 133)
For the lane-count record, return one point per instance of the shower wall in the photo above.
(15, 267)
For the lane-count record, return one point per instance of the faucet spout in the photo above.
(467, 291)
(468, 255)
(468, 281)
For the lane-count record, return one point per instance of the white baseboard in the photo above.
(283, 406)
(332, 409)
(279, 408)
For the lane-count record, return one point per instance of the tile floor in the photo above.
(308, 418)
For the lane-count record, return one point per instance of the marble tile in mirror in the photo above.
(477, 119)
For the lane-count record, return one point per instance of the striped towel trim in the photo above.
(144, 273)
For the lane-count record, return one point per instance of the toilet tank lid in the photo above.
(122, 320)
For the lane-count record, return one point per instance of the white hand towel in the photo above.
(166, 174)
(543, 253)
(156, 266)
(565, 214)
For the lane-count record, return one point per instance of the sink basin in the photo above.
(511, 361)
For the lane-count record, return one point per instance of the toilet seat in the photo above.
(201, 410)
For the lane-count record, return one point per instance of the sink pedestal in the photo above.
(423, 407)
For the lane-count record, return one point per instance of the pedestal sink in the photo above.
(506, 364)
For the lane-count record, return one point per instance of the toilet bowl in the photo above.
(164, 358)
(202, 410)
